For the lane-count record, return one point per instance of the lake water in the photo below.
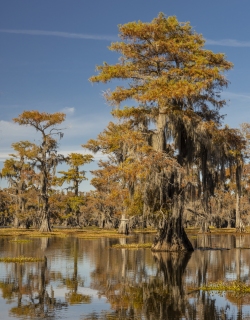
(87, 279)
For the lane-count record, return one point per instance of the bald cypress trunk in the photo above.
(124, 228)
(16, 221)
(204, 227)
(239, 225)
(172, 235)
(45, 224)
(45, 219)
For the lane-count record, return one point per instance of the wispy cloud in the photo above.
(222, 42)
(97, 156)
(228, 43)
(77, 130)
(237, 96)
(68, 110)
(60, 34)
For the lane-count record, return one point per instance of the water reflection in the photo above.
(87, 279)
(171, 301)
(27, 289)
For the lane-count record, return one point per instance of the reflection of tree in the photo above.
(170, 301)
(42, 304)
(29, 287)
(44, 243)
(136, 284)
(73, 297)
(137, 288)
(161, 296)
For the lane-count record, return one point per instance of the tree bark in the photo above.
(204, 228)
(16, 222)
(123, 228)
(239, 225)
(45, 221)
(172, 236)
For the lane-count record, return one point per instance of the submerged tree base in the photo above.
(240, 227)
(172, 237)
(45, 226)
(204, 228)
(124, 228)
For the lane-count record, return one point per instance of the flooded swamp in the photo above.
(90, 279)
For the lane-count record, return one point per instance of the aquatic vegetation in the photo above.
(77, 298)
(88, 232)
(21, 259)
(193, 237)
(146, 230)
(236, 286)
(132, 246)
(20, 240)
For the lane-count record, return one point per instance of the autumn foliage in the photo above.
(169, 161)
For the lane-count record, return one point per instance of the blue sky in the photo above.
(49, 49)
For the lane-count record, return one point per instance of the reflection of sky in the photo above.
(222, 303)
(230, 308)
(209, 265)
(223, 306)
(66, 268)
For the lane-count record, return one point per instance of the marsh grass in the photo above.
(93, 232)
(20, 240)
(192, 231)
(85, 233)
(98, 235)
(236, 286)
(147, 231)
(222, 230)
(20, 259)
(132, 246)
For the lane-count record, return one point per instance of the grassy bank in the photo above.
(95, 232)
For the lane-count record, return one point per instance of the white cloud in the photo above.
(97, 156)
(11, 132)
(233, 95)
(4, 156)
(88, 125)
(68, 110)
(228, 43)
(222, 42)
(60, 34)
(77, 130)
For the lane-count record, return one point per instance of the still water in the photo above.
(87, 279)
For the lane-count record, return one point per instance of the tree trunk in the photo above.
(204, 228)
(16, 222)
(123, 228)
(45, 223)
(239, 225)
(158, 138)
(172, 236)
